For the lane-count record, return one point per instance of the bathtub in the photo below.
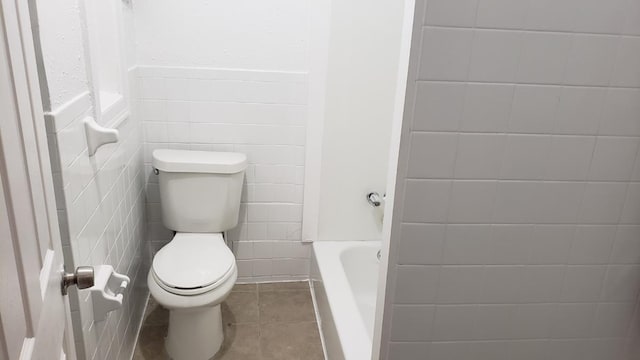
(344, 278)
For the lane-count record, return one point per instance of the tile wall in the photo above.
(518, 197)
(259, 113)
(100, 203)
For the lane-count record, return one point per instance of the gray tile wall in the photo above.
(517, 218)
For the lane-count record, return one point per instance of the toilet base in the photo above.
(194, 334)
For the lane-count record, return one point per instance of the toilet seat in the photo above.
(193, 264)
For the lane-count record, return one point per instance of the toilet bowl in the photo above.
(192, 274)
(190, 277)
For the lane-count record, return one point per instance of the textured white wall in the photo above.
(516, 231)
(360, 88)
(60, 32)
(245, 34)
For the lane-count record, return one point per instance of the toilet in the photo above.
(192, 274)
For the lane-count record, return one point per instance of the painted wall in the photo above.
(231, 78)
(360, 88)
(246, 34)
(516, 230)
(100, 199)
(58, 31)
(258, 113)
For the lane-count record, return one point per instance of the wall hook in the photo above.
(98, 135)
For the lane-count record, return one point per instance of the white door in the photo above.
(33, 312)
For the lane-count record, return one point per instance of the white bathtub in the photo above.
(344, 278)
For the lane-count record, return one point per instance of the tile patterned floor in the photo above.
(273, 321)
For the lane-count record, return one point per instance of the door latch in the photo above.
(82, 278)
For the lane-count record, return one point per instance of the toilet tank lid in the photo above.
(199, 161)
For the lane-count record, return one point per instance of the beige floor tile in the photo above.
(151, 343)
(286, 306)
(241, 342)
(155, 314)
(240, 307)
(284, 286)
(245, 287)
(261, 322)
(290, 341)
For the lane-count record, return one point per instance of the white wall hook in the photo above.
(98, 135)
(108, 291)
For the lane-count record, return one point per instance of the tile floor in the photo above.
(272, 321)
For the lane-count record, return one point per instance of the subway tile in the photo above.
(580, 110)
(453, 322)
(421, 244)
(541, 283)
(590, 61)
(625, 71)
(612, 320)
(544, 58)
(569, 157)
(445, 54)
(487, 107)
(572, 320)
(495, 56)
(471, 201)
(532, 321)
(602, 203)
(412, 323)
(510, 244)
(632, 18)
(559, 202)
(621, 283)
(631, 210)
(551, 15)
(534, 109)
(428, 201)
(592, 244)
(479, 156)
(439, 106)
(620, 113)
(613, 158)
(494, 321)
(501, 14)
(432, 155)
(460, 284)
(551, 244)
(525, 157)
(467, 244)
(408, 350)
(593, 16)
(516, 202)
(583, 283)
(502, 284)
(626, 247)
(416, 284)
(451, 13)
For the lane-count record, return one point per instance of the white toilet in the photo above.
(191, 275)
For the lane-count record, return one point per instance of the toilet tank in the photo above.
(199, 190)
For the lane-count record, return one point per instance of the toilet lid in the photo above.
(193, 260)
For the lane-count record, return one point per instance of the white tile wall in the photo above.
(518, 220)
(101, 208)
(259, 113)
